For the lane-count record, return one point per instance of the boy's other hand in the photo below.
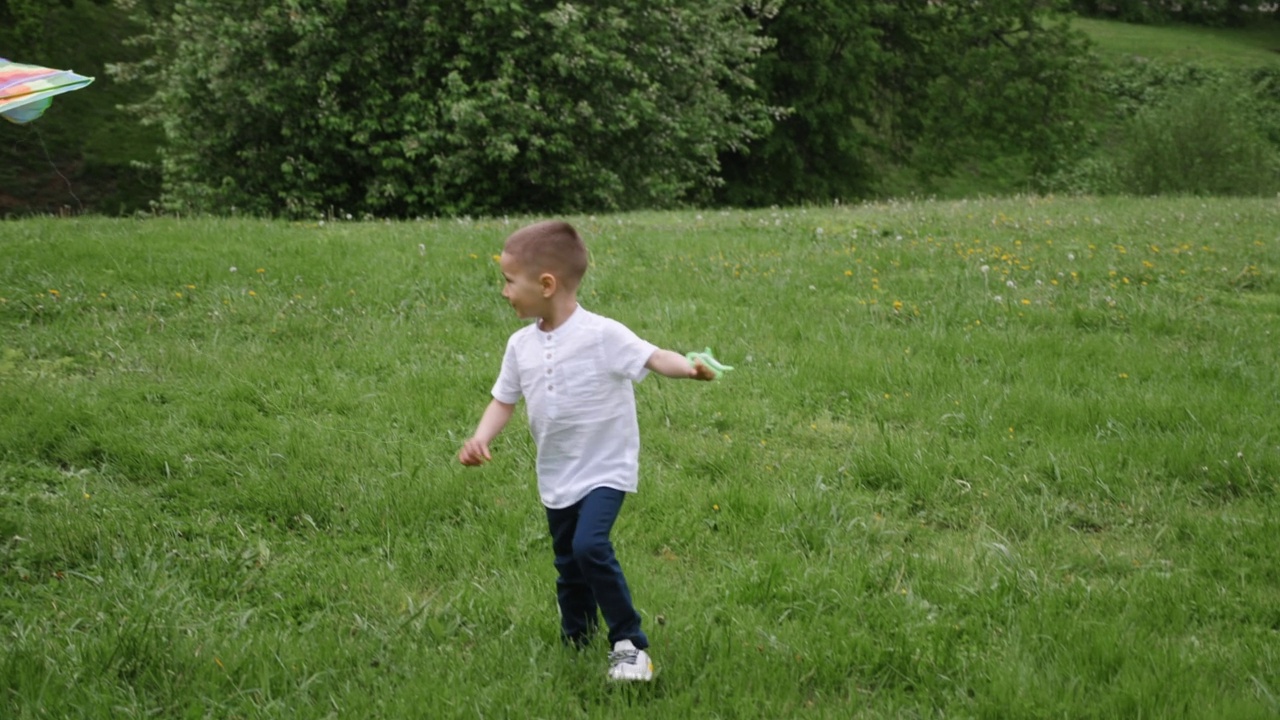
(474, 453)
(702, 372)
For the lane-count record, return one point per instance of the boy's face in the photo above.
(522, 288)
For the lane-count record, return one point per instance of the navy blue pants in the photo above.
(590, 577)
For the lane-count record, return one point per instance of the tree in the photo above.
(22, 24)
(874, 84)
(468, 106)
(1201, 12)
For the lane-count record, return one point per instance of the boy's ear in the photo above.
(548, 283)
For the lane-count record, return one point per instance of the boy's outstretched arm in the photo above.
(475, 451)
(674, 365)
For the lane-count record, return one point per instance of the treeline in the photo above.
(409, 108)
(1215, 13)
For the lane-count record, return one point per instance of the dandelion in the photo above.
(1124, 376)
(997, 298)
(497, 258)
(897, 305)
(233, 268)
(1026, 301)
(55, 293)
(715, 508)
(178, 295)
(191, 287)
(253, 294)
(848, 273)
(1011, 284)
(475, 256)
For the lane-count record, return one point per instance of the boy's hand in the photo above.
(474, 453)
(702, 372)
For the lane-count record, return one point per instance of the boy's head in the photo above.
(551, 247)
(540, 263)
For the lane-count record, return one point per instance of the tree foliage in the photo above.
(870, 84)
(468, 106)
(22, 26)
(1201, 12)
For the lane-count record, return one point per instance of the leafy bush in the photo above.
(1182, 128)
(925, 86)
(1205, 142)
(473, 106)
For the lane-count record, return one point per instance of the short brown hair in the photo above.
(551, 246)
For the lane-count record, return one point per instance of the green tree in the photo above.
(1202, 12)
(469, 106)
(871, 85)
(23, 25)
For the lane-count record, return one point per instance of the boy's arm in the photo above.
(674, 365)
(475, 451)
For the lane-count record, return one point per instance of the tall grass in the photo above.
(1001, 458)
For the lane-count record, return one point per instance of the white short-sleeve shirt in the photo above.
(576, 382)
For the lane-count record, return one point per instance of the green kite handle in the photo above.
(710, 361)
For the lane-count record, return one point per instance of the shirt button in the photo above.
(551, 388)
(548, 356)
(548, 371)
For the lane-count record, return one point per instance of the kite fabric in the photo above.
(27, 90)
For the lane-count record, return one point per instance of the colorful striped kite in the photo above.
(27, 90)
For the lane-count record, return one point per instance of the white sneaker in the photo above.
(629, 663)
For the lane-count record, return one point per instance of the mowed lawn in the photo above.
(1003, 458)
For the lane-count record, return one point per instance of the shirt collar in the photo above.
(569, 323)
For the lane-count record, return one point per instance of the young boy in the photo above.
(575, 371)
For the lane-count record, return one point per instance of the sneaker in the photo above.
(628, 662)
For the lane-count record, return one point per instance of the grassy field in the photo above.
(1249, 47)
(1009, 458)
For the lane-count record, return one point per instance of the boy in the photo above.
(575, 371)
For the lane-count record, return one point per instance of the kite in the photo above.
(706, 358)
(27, 90)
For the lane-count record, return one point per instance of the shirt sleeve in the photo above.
(626, 352)
(507, 388)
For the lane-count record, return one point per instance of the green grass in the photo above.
(1255, 46)
(1011, 458)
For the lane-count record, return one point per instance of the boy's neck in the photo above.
(560, 310)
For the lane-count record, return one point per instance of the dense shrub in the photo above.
(1205, 142)
(1183, 129)
(472, 106)
(927, 86)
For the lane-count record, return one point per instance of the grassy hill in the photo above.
(1256, 46)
